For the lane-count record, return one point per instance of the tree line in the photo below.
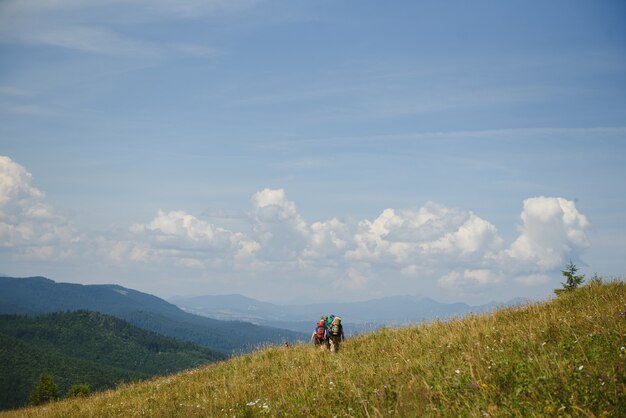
(83, 351)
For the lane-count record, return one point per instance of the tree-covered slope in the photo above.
(85, 347)
(565, 357)
(38, 295)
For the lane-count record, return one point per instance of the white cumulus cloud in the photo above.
(277, 226)
(552, 230)
(29, 226)
(187, 240)
(328, 240)
(430, 234)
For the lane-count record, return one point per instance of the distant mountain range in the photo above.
(39, 295)
(357, 316)
(85, 347)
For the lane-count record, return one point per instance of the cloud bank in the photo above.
(30, 229)
(447, 247)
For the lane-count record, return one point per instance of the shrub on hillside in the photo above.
(45, 390)
(79, 389)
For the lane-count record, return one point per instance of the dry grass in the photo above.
(565, 357)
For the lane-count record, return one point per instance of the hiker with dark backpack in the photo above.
(320, 335)
(335, 334)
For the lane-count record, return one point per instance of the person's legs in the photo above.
(334, 344)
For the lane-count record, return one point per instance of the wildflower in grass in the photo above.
(457, 371)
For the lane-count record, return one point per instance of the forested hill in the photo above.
(84, 347)
(41, 295)
(37, 295)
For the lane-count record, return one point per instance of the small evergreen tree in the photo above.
(572, 281)
(79, 389)
(45, 390)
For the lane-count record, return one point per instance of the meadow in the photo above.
(564, 357)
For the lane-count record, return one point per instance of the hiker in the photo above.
(335, 334)
(329, 321)
(319, 338)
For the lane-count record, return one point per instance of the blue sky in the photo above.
(292, 150)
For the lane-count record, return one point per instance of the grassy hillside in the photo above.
(565, 357)
(85, 347)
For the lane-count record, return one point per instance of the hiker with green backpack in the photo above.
(328, 320)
